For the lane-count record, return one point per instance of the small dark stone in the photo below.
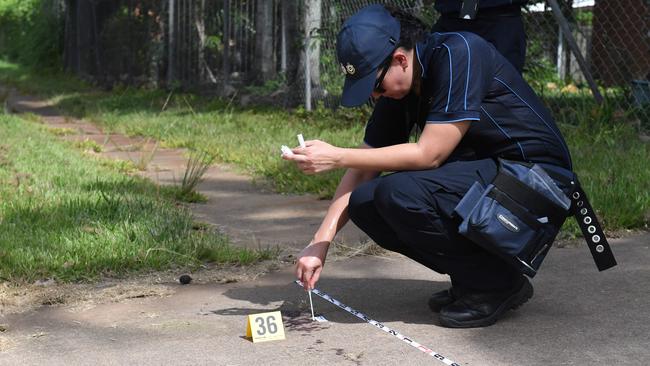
(185, 279)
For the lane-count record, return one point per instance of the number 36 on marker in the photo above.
(265, 327)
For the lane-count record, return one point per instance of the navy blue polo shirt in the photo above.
(465, 78)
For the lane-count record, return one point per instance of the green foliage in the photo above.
(268, 87)
(28, 81)
(584, 17)
(131, 41)
(214, 43)
(540, 72)
(337, 118)
(31, 32)
(331, 77)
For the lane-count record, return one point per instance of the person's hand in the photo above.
(318, 156)
(310, 263)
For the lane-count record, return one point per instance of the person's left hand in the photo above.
(318, 156)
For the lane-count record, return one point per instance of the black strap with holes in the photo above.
(591, 229)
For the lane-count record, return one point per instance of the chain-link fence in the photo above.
(613, 38)
(283, 51)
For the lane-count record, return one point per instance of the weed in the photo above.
(88, 145)
(368, 249)
(118, 165)
(181, 195)
(62, 131)
(197, 164)
(30, 117)
(146, 157)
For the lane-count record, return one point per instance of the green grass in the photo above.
(250, 139)
(613, 166)
(615, 173)
(66, 216)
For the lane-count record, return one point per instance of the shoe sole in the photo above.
(513, 302)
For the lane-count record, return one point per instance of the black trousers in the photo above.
(501, 26)
(411, 212)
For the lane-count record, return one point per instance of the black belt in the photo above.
(535, 201)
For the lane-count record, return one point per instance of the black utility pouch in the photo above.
(517, 216)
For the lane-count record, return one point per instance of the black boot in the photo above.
(480, 309)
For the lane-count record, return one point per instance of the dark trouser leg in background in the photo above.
(506, 33)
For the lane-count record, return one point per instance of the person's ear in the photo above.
(401, 58)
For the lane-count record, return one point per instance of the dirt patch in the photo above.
(5, 343)
(23, 297)
(19, 298)
(368, 248)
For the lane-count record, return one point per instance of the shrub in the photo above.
(31, 32)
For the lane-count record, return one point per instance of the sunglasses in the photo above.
(380, 80)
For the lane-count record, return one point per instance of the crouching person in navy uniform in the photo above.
(469, 107)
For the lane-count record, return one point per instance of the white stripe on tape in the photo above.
(379, 325)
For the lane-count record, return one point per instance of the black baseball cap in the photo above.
(366, 39)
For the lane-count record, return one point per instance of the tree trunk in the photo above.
(70, 59)
(291, 10)
(284, 15)
(310, 56)
(225, 67)
(264, 65)
(84, 38)
(202, 65)
(313, 25)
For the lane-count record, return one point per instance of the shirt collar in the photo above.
(421, 55)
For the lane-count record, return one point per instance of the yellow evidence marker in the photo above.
(264, 327)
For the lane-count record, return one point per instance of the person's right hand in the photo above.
(316, 157)
(310, 263)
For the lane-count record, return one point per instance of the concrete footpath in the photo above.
(577, 317)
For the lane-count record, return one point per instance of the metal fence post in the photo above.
(564, 26)
(307, 62)
(307, 75)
